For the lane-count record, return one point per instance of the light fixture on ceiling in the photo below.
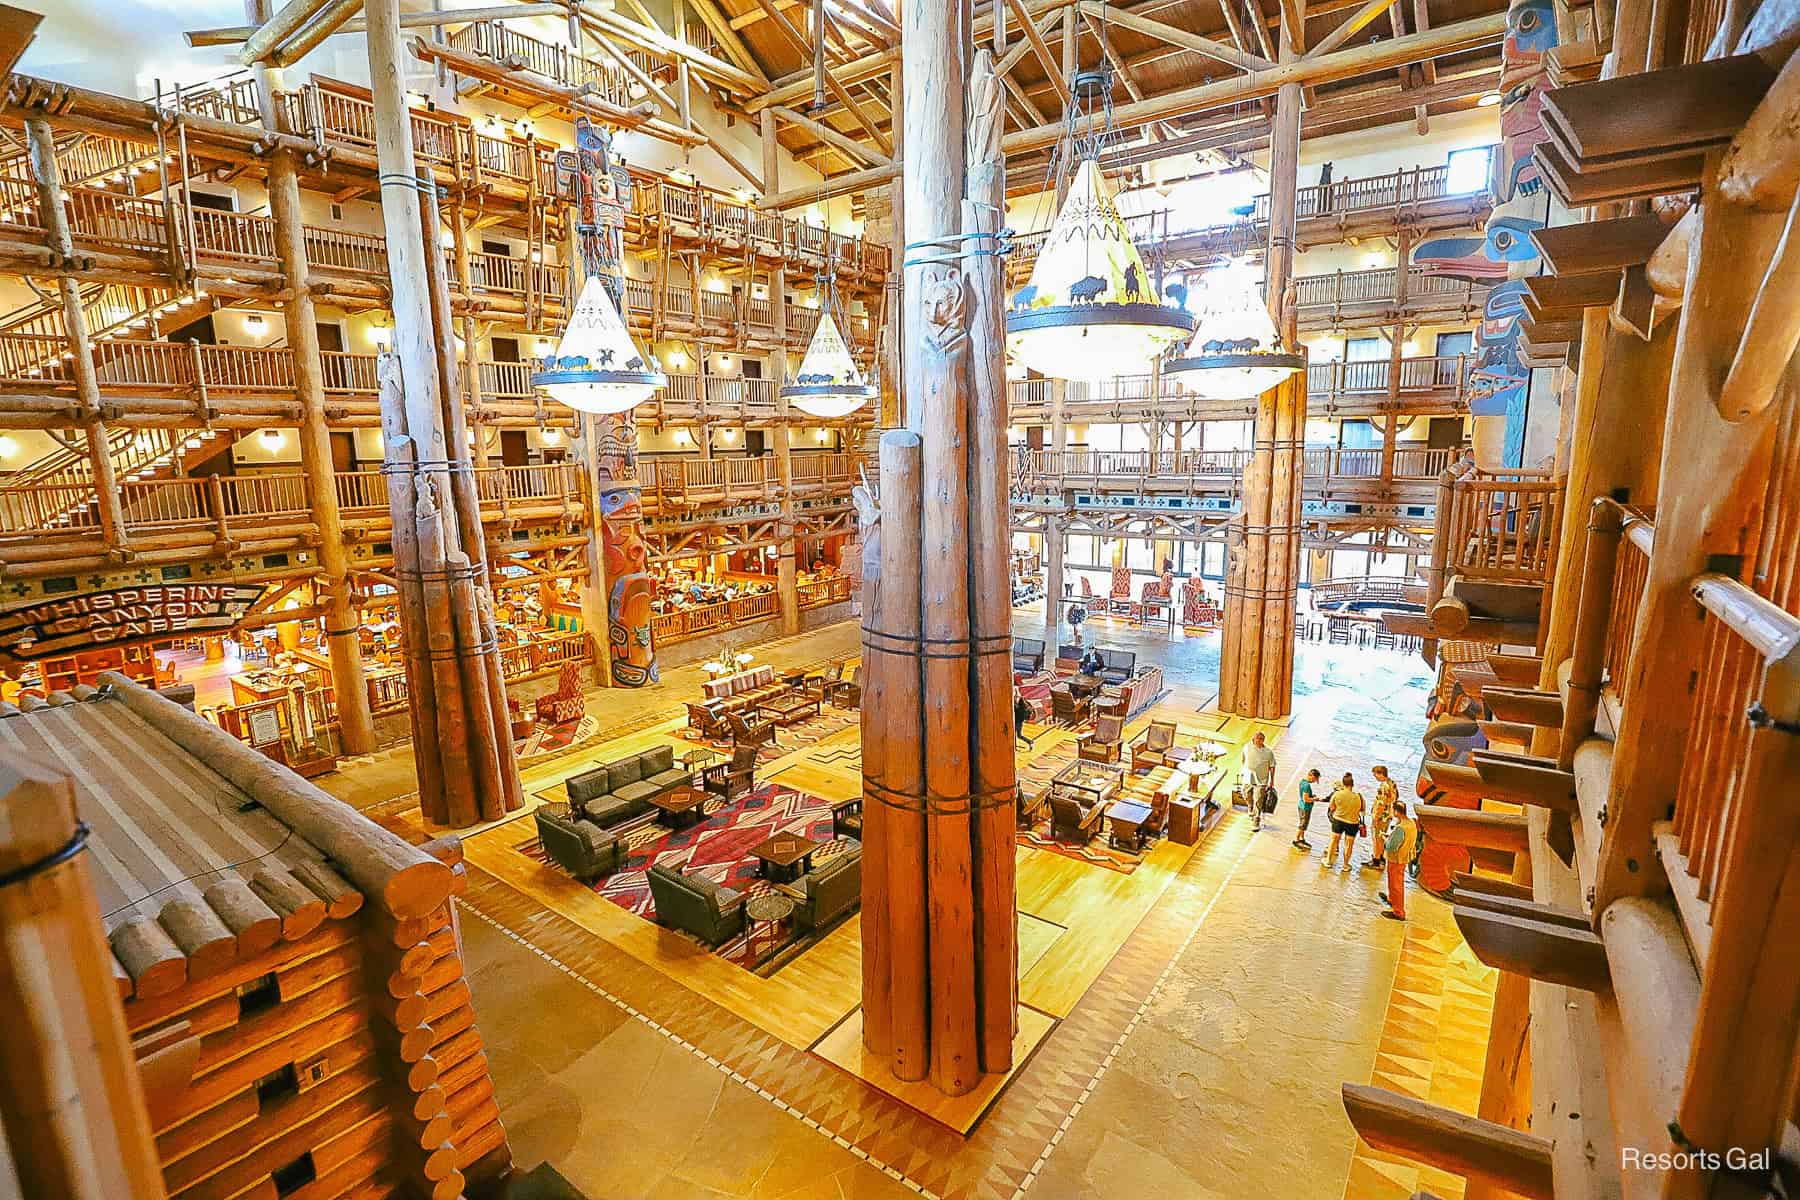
(829, 383)
(1090, 309)
(596, 367)
(1236, 351)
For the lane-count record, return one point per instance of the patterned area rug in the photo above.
(717, 849)
(1097, 852)
(545, 739)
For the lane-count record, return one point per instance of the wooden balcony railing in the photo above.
(1396, 191)
(1444, 378)
(816, 593)
(681, 624)
(1501, 526)
(1139, 468)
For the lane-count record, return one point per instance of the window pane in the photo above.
(1468, 170)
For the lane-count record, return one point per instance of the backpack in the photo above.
(1269, 798)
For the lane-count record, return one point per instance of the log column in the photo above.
(343, 619)
(1262, 576)
(48, 174)
(787, 586)
(940, 979)
(461, 739)
(1054, 537)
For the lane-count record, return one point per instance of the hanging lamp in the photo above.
(1090, 310)
(596, 367)
(1236, 351)
(829, 383)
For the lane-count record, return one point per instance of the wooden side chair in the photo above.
(729, 780)
(750, 731)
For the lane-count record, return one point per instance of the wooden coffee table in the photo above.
(784, 857)
(785, 710)
(679, 806)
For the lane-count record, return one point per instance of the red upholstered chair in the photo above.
(1089, 601)
(565, 703)
(1119, 599)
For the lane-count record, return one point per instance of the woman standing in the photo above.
(1346, 812)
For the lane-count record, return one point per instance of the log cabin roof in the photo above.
(180, 857)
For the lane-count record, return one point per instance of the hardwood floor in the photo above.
(1083, 912)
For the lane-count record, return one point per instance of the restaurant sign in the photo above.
(121, 615)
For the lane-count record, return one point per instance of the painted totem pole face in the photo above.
(1500, 383)
(629, 587)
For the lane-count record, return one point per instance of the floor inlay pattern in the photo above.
(1004, 1153)
(1433, 1047)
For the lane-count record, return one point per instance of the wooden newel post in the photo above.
(940, 969)
(72, 1106)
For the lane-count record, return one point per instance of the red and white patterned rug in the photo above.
(717, 849)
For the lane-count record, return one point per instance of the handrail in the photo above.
(1138, 467)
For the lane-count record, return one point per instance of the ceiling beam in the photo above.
(231, 35)
(1349, 29)
(834, 138)
(1041, 48)
(1316, 67)
(1218, 51)
(862, 117)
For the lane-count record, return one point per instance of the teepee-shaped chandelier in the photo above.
(829, 383)
(596, 367)
(1236, 351)
(1090, 310)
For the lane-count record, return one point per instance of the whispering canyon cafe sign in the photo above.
(122, 615)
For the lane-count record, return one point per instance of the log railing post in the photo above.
(1593, 605)
(343, 622)
(55, 217)
(1712, 488)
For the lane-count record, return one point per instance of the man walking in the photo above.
(1346, 812)
(1308, 795)
(1387, 802)
(1259, 774)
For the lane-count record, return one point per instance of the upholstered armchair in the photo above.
(581, 848)
(1102, 743)
(565, 703)
(1065, 706)
(1068, 819)
(750, 730)
(729, 780)
(1153, 748)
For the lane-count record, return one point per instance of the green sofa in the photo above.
(827, 892)
(581, 848)
(621, 790)
(686, 902)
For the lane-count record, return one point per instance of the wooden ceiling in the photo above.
(1154, 46)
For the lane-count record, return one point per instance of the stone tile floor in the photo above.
(1204, 1063)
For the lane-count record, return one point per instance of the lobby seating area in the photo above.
(612, 794)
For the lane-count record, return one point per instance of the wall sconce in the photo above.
(676, 358)
(724, 362)
(543, 347)
(551, 437)
(819, 435)
(8, 447)
(524, 126)
(728, 436)
(272, 439)
(683, 438)
(381, 335)
(1372, 260)
(254, 322)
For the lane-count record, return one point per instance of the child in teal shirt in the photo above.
(1307, 796)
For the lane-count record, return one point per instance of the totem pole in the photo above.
(1500, 384)
(611, 440)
